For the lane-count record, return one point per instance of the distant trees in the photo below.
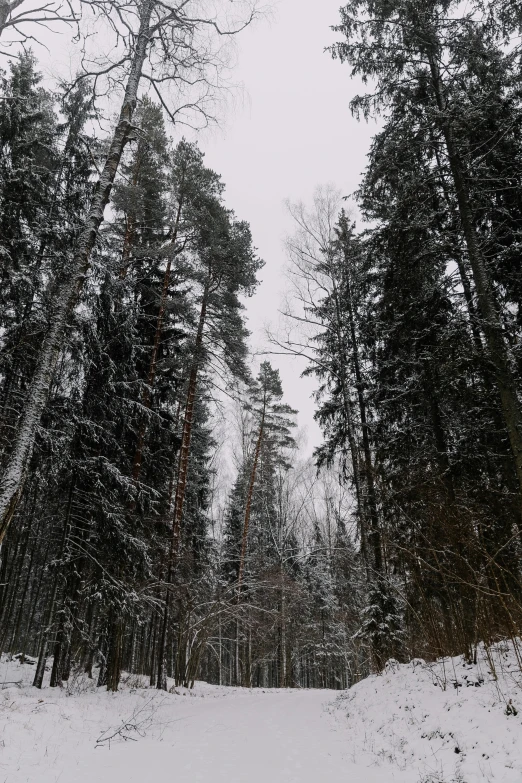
(288, 558)
(329, 270)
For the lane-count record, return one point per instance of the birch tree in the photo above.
(22, 22)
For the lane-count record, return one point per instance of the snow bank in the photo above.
(44, 732)
(449, 722)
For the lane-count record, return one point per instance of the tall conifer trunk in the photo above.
(348, 415)
(248, 504)
(181, 482)
(147, 392)
(374, 532)
(244, 536)
(188, 419)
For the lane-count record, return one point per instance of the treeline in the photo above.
(417, 323)
(125, 547)
(116, 559)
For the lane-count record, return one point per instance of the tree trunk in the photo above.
(44, 639)
(115, 654)
(220, 659)
(11, 483)
(350, 429)
(237, 668)
(130, 223)
(244, 536)
(58, 657)
(181, 482)
(161, 677)
(282, 632)
(44, 642)
(186, 437)
(146, 396)
(89, 650)
(374, 532)
(248, 504)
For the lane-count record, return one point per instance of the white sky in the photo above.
(294, 132)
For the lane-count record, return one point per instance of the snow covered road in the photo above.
(244, 737)
(442, 722)
(212, 734)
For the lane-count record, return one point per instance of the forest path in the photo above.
(245, 737)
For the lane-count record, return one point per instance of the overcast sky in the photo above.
(293, 132)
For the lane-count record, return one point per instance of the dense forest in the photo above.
(157, 513)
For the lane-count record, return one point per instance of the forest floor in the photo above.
(410, 724)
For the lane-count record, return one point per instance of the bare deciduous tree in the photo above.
(21, 22)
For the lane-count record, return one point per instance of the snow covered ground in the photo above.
(449, 722)
(208, 735)
(409, 725)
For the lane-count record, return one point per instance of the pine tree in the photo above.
(222, 264)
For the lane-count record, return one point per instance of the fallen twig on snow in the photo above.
(137, 724)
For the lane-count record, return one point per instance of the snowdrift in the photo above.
(447, 722)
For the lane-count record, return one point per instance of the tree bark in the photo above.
(244, 535)
(188, 418)
(374, 532)
(282, 630)
(115, 653)
(248, 504)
